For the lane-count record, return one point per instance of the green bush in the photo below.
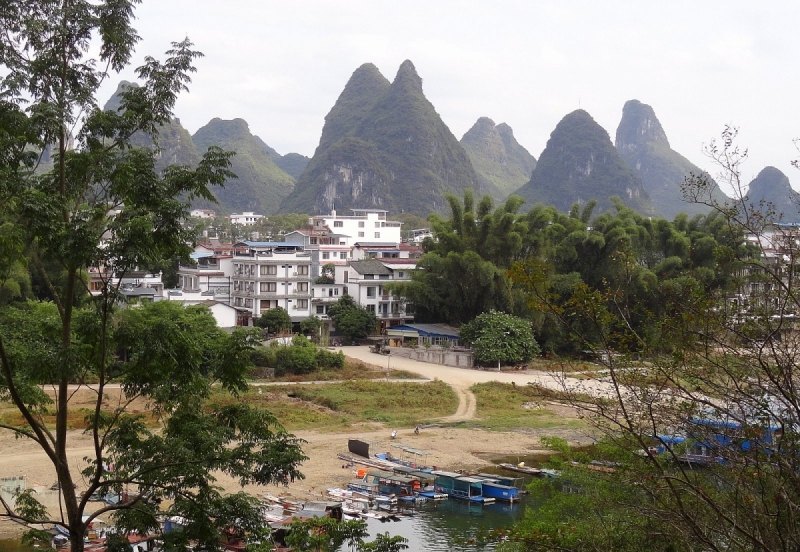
(303, 357)
(263, 357)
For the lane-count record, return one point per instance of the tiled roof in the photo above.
(369, 267)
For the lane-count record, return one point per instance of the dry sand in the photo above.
(449, 448)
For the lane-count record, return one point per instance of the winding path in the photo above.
(461, 379)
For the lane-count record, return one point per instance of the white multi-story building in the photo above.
(267, 275)
(366, 282)
(203, 213)
(248, 218)
(326, 247)
(210, 271)
(363, 225)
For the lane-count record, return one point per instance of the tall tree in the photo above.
(727, 394)
(103, 207)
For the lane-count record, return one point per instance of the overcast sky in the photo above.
(700, 65)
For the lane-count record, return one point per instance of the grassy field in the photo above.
(352, 370)
(336, 406)
(501, 406)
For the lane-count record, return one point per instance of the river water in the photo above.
(454, 525)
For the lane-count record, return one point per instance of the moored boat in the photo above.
(493, 488)
(461, 487)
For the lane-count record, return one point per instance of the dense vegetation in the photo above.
(496, 258)
(383, 146)
(105, 205)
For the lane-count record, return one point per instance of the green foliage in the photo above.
(107, 206)
(327, 274)
(275, 320)
(303, 357)
(311, 326)
(496, 337)
(352, 320)
(327, 535)
(396, 403)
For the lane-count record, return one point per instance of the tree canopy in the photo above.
(102, 208)
(496, 337)
(275, 320)
(351, 319)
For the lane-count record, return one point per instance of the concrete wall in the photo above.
(436, 355)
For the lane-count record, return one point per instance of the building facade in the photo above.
(267, 275)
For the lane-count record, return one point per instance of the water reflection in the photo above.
(453, 525)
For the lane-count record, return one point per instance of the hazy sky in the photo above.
(701, 65)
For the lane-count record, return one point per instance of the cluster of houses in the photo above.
(334, 255)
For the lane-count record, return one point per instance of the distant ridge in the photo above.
(502, 164)
(643, 144)
(174, 141)
(771, 190)
(261, 185)
(383, 146)
(579, 164)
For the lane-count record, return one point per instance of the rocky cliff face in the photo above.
(260, 184)
(643, 144)
(771, 194)
(579, 164)
(502, 164)
(383, 146)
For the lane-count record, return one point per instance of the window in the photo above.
(320, 309)
(400, 275)
(302, 286)
(361, 224)
(326, 255)
(371, 308)
(302, 270)
(377, 234)
(268, 287)
(361, 234)
(371, 291)
(377, 225)
(338, 223)
(302, 303)
(336, 291)
(313, 241)
(369, 276)
(383, 276)
(269, 270)
(343, 254)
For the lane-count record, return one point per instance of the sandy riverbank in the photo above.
(450, 448)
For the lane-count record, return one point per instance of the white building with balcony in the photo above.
(362, 225)
(248, 218)
(366, 282)
(209, 272)
(267, 275)
(326, 247)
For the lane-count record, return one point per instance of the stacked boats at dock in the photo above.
(408, 481)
